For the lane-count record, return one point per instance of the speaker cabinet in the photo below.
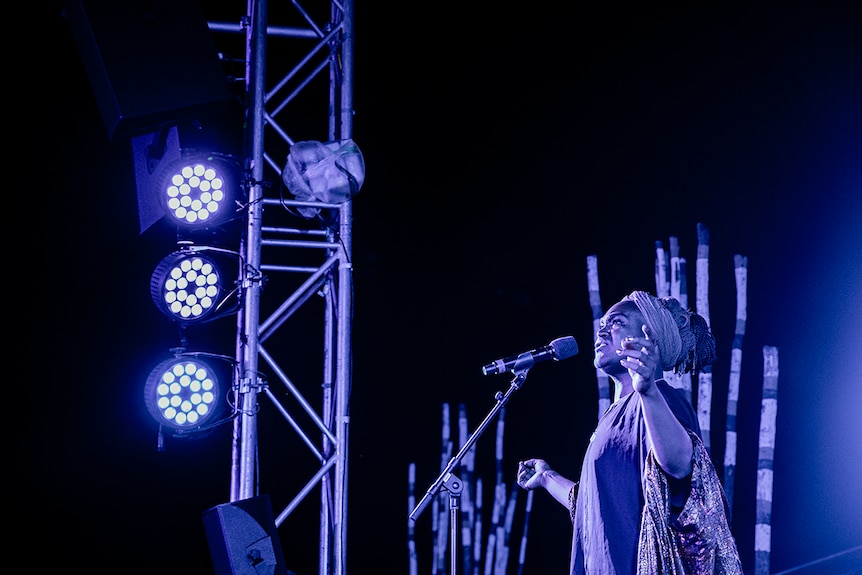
(243, 539)
(150, 64)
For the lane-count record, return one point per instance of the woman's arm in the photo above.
(534, 473)
(670, 441)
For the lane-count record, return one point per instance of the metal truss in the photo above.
(296, 66)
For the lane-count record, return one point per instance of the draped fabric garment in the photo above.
(696, 542)
(610, 495)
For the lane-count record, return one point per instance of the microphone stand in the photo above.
(451, 482)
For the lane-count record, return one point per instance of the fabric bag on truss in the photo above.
(328, 172)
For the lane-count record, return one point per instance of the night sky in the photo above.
(503, 146)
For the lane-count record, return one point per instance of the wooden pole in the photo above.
(740, 266)
(499, 499)
(477, 530)
(467, 505)
(522, 553)
(766, 453)
(662, 274)
(704, 380)
(596, 307)
(504, 533)
(679, 290)
(411, 535)
(440, 513)
(663, 283)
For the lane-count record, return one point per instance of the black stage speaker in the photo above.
(242, 538)
(150, 64)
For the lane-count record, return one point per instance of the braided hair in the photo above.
(688, 348)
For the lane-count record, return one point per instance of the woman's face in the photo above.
(622, 320)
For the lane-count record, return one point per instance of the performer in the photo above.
(648, 500)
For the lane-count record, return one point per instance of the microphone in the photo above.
(560, 348)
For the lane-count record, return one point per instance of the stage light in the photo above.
(187, 287)
(182, 393)
(199, 190)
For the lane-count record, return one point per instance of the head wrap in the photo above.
(682, 336)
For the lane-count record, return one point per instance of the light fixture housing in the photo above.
(187, 286)
(183, 393)
(199, 190)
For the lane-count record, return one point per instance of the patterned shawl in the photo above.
(698, 541)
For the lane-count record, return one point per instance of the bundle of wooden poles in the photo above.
(487, 551)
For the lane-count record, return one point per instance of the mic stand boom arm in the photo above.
(452, 483)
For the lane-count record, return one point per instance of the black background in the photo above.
(503, 146)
